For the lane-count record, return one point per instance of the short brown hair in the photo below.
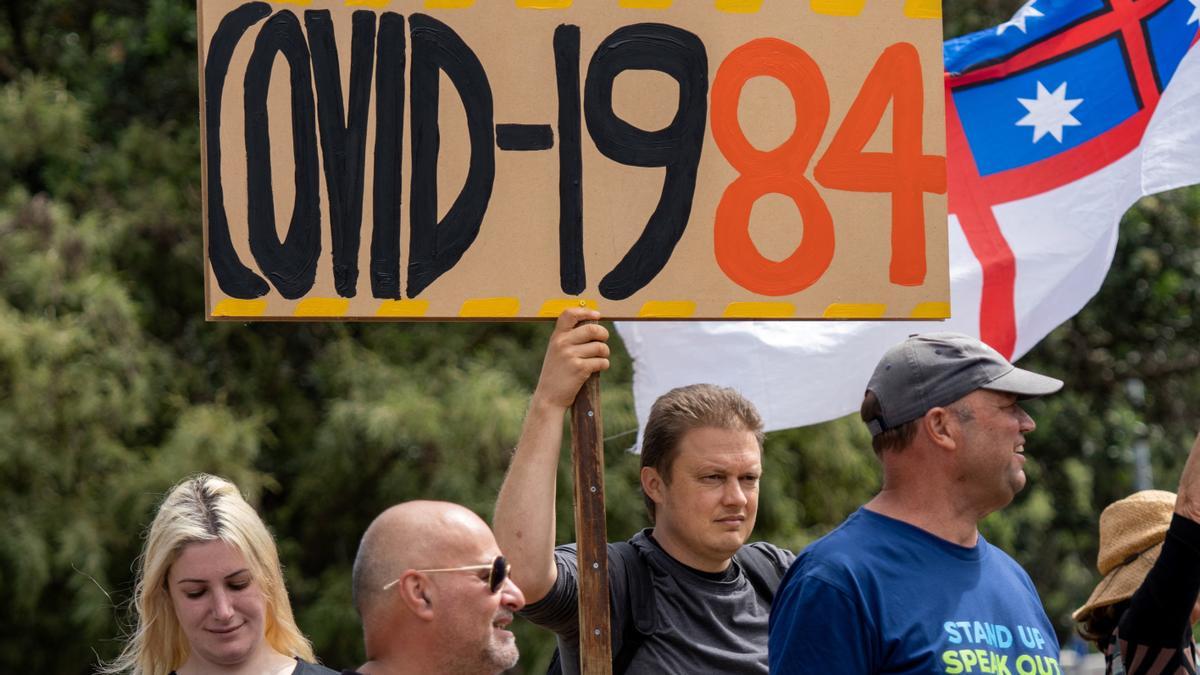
(899, 438)
(685, 408)
(891, 439)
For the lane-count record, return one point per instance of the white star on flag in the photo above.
(1195, 18)
(1027, 11)
(1049, 113)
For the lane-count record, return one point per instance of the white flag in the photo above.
(1053, 132)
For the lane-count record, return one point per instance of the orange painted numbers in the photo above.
(778, 171)
(904, 172)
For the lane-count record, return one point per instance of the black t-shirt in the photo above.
(706, 622)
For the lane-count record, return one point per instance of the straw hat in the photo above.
(1132, 531)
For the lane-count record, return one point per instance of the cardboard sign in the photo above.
(507, 158)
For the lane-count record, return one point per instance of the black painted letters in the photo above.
(290, 265)
(435, 247)
(680, 54)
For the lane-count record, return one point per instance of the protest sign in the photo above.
(654, 159)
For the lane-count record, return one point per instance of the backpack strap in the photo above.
(763, 568)
(642, 617)
(640, 620)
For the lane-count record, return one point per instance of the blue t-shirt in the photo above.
(878, 595)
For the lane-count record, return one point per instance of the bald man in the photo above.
(434, 594)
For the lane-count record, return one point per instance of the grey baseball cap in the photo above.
(936, 369)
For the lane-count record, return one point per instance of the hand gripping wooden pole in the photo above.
(587, 444)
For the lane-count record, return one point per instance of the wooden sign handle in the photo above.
(587, 444)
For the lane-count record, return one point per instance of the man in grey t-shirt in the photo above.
(701, 462)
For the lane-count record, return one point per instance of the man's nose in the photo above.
(735, 495)
(1027, 423)
(511, 595)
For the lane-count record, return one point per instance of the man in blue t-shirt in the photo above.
(907, 584)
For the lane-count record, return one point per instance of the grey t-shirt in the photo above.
(706, 623)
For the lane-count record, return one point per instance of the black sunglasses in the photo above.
(498, 571)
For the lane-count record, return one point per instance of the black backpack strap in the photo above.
(763, 567)
(555, 667)
(639, 599)
(641, 620)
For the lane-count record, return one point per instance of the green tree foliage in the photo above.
(1139, 331)
(113, 387)
(1133, 374)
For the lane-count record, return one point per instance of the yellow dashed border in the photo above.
(671, 309)
(508, 307)
(760, 310)
(400, 309)
(913, 9)
(854, 310)
(931, 310)
(923, 9)
(543, 4)
(644, 4)
(552, 308)
(233, 307)
(838, 7)
(485, 308)
(322, 307)
(739, 6)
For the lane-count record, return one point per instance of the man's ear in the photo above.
(653, 484)
(417, 594)
(940, 425)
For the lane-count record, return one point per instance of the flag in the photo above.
(1057, 121)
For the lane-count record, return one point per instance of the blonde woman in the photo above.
(210, 596)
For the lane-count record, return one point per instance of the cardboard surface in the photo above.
(659, 114)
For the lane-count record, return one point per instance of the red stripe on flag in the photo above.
(1067, 167)
(997, 313)
(1138, 50)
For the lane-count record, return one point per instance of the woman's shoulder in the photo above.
(305, 668)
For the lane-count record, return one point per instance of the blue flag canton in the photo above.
(1048, 109)
(1045, 110)
(1035, 21)
(1169, 34)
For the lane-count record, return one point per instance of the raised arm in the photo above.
(524, 520)
(1187, 500)
(1164, 607)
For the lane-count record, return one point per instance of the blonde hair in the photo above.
(202, 508)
